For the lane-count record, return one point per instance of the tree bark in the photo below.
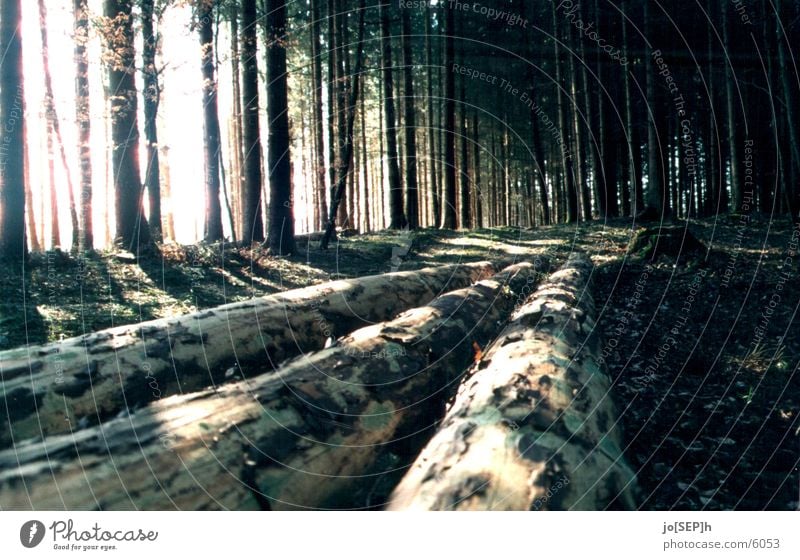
(83, 121)
(319, 137)
(656, 196)
(412, 202)
(13, 242)
(567, 165)
(151, 95)
(281, 212)
(132, 229)
(93, 377)
(436, 205)
(212, 230)
(532, 428)
(318, 433)
(397, 218)
(252, 222)
(732, 127)
(449, 163)
(345, 155)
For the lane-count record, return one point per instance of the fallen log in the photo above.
(534, 427)
(316, 433)
(57, 388)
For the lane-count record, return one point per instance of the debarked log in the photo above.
(534, 427)
(60, 387)
(316, 433)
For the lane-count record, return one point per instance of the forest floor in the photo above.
(703, 350)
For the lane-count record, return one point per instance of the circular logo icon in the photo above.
(31, 533)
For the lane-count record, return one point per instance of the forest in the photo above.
(404, 255)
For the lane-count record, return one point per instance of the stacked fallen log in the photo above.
(534, 427)
(317, 433)
(60, 387)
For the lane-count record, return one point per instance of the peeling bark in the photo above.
(318, 433)
(60, 387)
(534, 427)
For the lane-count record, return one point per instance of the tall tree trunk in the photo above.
(364, 164)
(13, 242)
(36, 240)
(346, 152)
(565, 155)
(412, 202)
(132, 230)
(732, 127)
(634, 147)
(656, 189)
(83, 121)
(169, 214)
(252, 222)
(319, 138)
(432, 152)
(236, 126)
(151, 94)
(343, 81)
(212, 229)
(333, 88)
(397, 217)
(789, 107)
(476, 165)
(449, 202)
(55, 226)
(465, 218)
(281, 211)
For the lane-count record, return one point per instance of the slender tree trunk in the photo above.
(345, 157)
(396, 214)
(236, 126)
(564, 149)
(83, 121)
(465, 218)
(789, 105)
(412, 202)
(252, 223)
(656, 189)
(319, 164)
(133, 231)
(13, 242)
(333, 88)
(151, 94)
(634, 150)
(476, 165)
(281, 211)
(432, 152)
(449, 202)
(364, 164)
(36, 241)
(731, 98)
(212, 230)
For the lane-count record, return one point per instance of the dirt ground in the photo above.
(703, 348)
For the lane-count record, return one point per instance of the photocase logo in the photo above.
(31, 533)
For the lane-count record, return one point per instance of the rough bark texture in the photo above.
(281, 209)
(83, 121)
(13, 242)
(211, 135)
(318, 433)
(252, 226)
(132, 230)
(85, 380)
(534, 426)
